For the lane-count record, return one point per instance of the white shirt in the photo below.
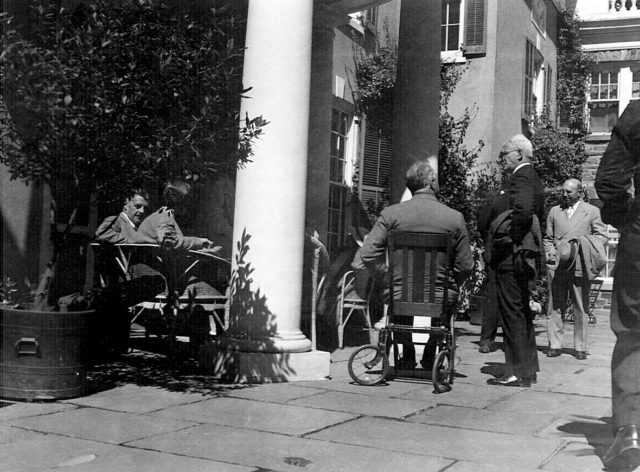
(126, 217)
(572, 208)
(521, 165)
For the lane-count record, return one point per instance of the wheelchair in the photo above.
(414, 262)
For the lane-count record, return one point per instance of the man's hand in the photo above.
(212, 250)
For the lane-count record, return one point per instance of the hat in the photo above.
(567, 252)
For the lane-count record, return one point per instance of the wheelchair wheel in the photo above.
(368, 365)
(442, 373)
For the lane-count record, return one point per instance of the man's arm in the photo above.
(464, 259)
(110, 232)
(373, 250)
(617, 168)
(598, 228)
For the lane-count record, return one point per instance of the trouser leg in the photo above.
(517, 325)
(557, 305)
(580, 297)
(490, 315)
(625, 323)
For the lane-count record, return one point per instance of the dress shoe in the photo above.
(553, 352)
(624, 453)
(511, 381)
(486, 348)
(581, 355)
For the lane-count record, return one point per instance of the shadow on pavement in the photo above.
(597, 432)
(144, 368)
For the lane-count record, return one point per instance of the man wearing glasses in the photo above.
(511, 225)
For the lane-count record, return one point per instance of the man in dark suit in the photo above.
(616, 178)
(514, 249)
(422, 213)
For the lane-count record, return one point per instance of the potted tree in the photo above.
(99, 99)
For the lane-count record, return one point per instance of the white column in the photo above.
(268, 235)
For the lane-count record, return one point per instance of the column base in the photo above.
(234, 366)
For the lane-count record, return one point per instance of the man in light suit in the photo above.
(422, 214)
(566, 224)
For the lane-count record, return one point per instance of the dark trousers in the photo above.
(625, 323)
(521, 354)
(490, 314)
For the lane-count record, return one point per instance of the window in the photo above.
(450, 33)
(338, 191)
(339, 131)
(337, 211)
(635, 85)
(539, 15)
(376, 170)
(548, 82)
(604, 86)
(603, 104)
(475, 28)
(533, 66)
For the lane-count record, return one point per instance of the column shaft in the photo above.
(417, 99)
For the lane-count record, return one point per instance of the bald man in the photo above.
(567, 224)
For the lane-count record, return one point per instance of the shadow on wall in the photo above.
(251, 323)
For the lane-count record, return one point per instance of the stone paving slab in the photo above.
(141, 400)
(476, 396)
(275, 392)
(558, 404)
(262, 416)
(393, 388)
(101, 425)
(442, 441)
(595, 431)
(77, 455)
(276, 452)
(467, 466)
(575, 457)
(484, 420)
(363, 404)
(9, 434)
(21, 410)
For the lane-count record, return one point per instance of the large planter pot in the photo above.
(44, 354)
(477, 306)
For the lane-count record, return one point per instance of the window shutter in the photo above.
(376, 166)
(475, 28)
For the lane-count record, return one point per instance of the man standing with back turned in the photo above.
(514, 245)
(617, 174)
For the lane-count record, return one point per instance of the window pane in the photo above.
(636, 76)
(603, 92)
(452, 42)
(443, 38)
(344, 125)
(613, 91)
(335, 120)
(335, 144)
(454, 11)
(445, 10)
(635, 90)
(594, 92)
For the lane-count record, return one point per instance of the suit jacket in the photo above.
(115, 230)
(161, 224)
(524, 195)
(423, 213)
(618, 171)
(585, 220)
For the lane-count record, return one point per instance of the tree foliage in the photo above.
(573, 76)
(120, 92)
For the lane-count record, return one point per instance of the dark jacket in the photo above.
(618, 171)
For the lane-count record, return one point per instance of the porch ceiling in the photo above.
(350, 6)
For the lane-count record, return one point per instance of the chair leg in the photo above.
(340, 325)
